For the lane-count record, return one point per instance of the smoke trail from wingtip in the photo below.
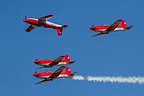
(120, 79)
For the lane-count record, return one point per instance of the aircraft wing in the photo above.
(31, 27)
(53, 76)
(45, 80)
(56, 73)
(56, 61)
(44, 18)
(113, 26)
(100, 34)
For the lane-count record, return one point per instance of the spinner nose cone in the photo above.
(36, 61)
(91, 27)
(25, 20)
(35, 74)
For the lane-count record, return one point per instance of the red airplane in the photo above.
(49, 76)
(42, 22)
(47, 63)
(104, 29)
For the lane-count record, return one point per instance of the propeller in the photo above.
(35, 60)
(25, 17)
(91, 27)
(35, 72)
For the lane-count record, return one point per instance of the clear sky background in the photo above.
(115, 54)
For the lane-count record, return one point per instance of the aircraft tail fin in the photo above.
(60, 29)
(67, 71)
(67, 58)
(123, 23)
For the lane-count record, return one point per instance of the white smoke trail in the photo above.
(120, 79)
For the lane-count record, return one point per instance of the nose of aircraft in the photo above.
(91, 27)
(35, 74)
(25, 20)
(36, 61)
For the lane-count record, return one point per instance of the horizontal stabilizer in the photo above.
(129, 27)
(72, 62)
(64, 26)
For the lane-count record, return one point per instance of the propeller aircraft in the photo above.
(42, 22)
(50, 76)
(60, 61)
(115, 27)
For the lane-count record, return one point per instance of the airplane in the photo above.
(115, 27)
(42, 22)
(50, 76)
(60, 61)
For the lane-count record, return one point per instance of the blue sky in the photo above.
(116, 54)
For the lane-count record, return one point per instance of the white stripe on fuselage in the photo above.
(53, 24)
(116, 29)
(33, 19)
(59, 64)
(50, 23)
(119, 29)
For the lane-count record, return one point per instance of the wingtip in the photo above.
(37, 83)
(93, 36)
(27, 30)
(51, 14)
(62, 56)
(119, 19)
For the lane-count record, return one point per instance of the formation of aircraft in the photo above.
(42, 22)
(64, 61)
(115, 27)
(60, 61)
(103, 29)
(49, 76)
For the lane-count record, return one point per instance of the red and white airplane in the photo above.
(47, 63)
(42, 22)
(115, 27)
(49, 76)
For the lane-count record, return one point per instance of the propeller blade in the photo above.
(35, 60)
(35, 72)
(25, 17)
